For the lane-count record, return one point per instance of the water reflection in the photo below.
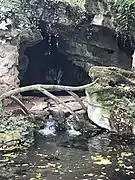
(94, 158)
(98, 144)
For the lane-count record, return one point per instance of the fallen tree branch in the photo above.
(43, 89)
(47, 87)
(76, 97)
(24, 108)
(58, 101)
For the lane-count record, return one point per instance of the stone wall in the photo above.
(8, 67)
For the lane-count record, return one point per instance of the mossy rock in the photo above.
(10, 140)
(111, 74)
(112, 107)
(16, 132)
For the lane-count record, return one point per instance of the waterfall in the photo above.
(133, 61)
(71, 131)
(59, 76)
(49, 128)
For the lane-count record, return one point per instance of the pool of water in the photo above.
(66, 157)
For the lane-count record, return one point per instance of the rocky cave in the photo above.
(43, 63)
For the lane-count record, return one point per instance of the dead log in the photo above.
(47, 87)
(43, 89)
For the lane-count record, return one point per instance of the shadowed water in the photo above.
(66, 157)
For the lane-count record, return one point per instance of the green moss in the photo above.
(118, 102)
(105, 75)
(124, 15)
(14, 130)
(105, 97)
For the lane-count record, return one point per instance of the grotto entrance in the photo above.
(47, 65)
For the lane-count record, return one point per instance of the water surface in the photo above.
(64, 157)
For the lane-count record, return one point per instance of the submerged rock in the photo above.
(112, 100)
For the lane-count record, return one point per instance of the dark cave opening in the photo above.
(46, 65)
(125, 44)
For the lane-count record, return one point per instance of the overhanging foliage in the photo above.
(124, 15)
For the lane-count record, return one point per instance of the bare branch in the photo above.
(58, 101)
(24, 108)
(76, 97)
(47, 87)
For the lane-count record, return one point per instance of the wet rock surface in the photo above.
(112, 99)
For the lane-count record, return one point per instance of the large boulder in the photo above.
(112, 100)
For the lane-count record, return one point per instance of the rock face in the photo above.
(8, 67)
(112, 100)
(82, 31)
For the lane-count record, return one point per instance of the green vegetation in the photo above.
(124, 15)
